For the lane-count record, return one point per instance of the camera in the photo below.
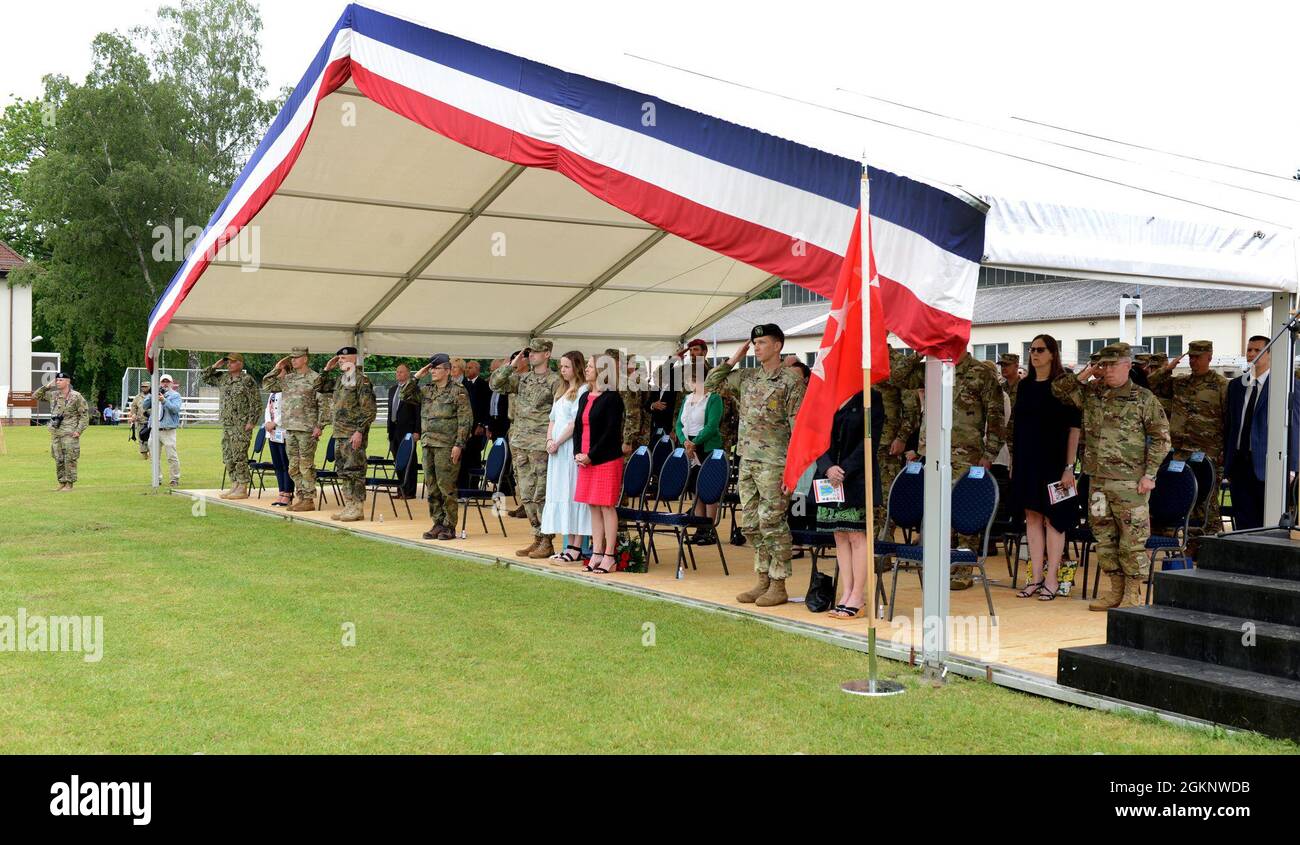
(56, 420)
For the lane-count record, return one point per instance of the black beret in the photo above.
(767, 330)
(347, 350)
(63, 374)
(438, 359)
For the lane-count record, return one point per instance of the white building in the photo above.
(15, 336)
(1011, 308)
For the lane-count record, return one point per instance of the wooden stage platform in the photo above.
(1025, 640)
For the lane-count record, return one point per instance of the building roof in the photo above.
(1075, 299)
(9, 259)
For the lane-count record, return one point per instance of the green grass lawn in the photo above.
(223, 633)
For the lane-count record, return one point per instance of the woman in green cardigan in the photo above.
(698, 431)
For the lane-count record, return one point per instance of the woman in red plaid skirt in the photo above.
(598, 451)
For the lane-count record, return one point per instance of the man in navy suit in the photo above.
(1247, 437)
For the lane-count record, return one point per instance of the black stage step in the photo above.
(1271, 554)
(1221, 642)
(1251, 597)
(1213, 638)
(1231, 697)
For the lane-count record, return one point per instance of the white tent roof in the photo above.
(386, 230)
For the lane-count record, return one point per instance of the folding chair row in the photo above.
(488, 489)
(669, 512)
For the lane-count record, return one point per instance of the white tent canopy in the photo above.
(389, 234)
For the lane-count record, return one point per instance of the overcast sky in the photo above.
(1213, 80)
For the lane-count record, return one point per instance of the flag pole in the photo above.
(872, 685)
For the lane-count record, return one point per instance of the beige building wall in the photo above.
(15, 345)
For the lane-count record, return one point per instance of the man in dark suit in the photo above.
(1247, 436)
(498, 425)
(480, 398)
(403, 419)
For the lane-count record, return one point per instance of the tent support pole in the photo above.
(155, 467)
(1279, 398)
(937, 527)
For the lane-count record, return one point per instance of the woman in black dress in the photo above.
(1044, 440)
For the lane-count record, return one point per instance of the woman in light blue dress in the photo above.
(562, 515)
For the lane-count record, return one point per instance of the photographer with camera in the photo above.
(168, 421)
(69, 416)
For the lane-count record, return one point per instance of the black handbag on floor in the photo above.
(821, 592)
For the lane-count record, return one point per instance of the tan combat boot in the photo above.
(226, 494)
(303, 503)
(1109, 592)
(531, 546)
(751, 595)
(1133, 592)
(239, 491)
(352, 513)
(544, 548)
(962, 578)
(775, 594)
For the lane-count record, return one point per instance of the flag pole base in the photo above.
(874, 689)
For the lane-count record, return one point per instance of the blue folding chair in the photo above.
(394, 484)
(1171, 507)
(256, 465)
(1206, 475)
(326, 475)
(974, 504)
(668, 496)
(636, 477)
(710, 484)
(488, 489)
(659, 453)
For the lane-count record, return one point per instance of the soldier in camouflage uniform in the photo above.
(768, 397)
(139, 418)
(636, 420)
(445, 422)
(304, 414)
(1128, 438)
(902, 416)
(1009, 366)
(1197, 405)
(352, 412)
(978, 429)
(69, 416)
(535, 393)
(241, 406)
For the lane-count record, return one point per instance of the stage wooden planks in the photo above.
(1027, 636)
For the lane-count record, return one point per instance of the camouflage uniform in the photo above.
(1155, 362)
(445, 422)
(65, 448)
(532, 409)
(902, 416)
(768, 404)
(303, 411)
(241, 406)
(729, 426)
(137, 410)
(1128, 438)
(1007, 388)
(978, 428)
(636, 418)
(352, 410)
(1197, 405)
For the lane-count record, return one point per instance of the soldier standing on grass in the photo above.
(241, 406)
(978, 429)
(354, 410)
(1128, 438)
(768, 397)
(302, 412)
(139, 418)
(535, 392)
(69, 416)
(1197, 403)
(445, 421)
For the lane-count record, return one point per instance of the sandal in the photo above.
(591, 565)
(612, 565)
(1045, 594)
(849, 612)
(1030, 590)
(571, 554)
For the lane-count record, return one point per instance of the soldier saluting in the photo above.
(445, 420)
(768, 396)
(302, 414)
(353, 412)
(535, 392)
(241, 405)
(1127, 439)
(69, 416)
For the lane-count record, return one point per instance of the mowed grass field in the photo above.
(223, 633)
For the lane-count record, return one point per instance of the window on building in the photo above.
(1170, 344)
(810, 358)
(792, 294)
(1096, 344)
(989, 351)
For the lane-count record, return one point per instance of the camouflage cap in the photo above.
(1115, 352)
(1143, 358)
(235, 356)
(1159, 359)
(1009, 358)
(540, 344)
(298, 352)
(1200, 347)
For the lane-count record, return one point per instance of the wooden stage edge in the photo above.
(1024, 642)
